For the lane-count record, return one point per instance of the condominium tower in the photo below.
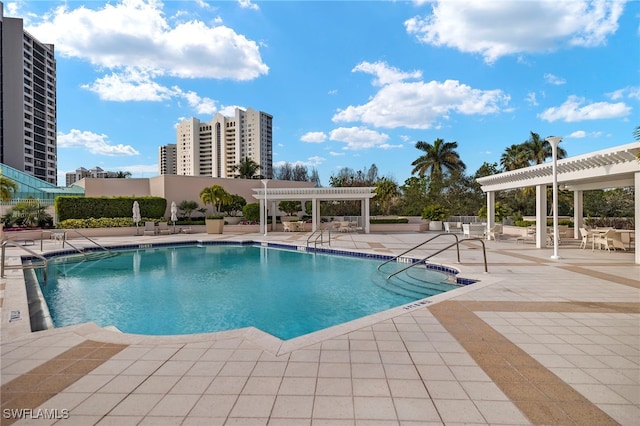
(167, 162)
(27, 102)
(215, 147)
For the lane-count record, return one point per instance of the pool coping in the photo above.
(19, 329)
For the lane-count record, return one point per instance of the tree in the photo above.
(538, 150)
(234, 205)
(414, 196)
(348, 177)
(246, 168)
(438, 159)
(123, 174)
(215, 195)
(514, 157)
(290, 207)
(386, 191)
(187, 207)
(7, 188)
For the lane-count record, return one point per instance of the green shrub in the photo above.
(390, 220)
(107, 207)
(251, 211)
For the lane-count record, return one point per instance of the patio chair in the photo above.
(494, 233)
(163, 228)
(604, 240)
(149, 228)
(586, 238)
(287, 226)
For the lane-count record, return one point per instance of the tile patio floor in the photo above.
(536, 341)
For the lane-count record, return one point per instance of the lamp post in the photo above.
(266, 210)
(554, 141)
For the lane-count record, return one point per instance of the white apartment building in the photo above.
(81, 173)
(213, 148)
(28, 98)
(167, 159)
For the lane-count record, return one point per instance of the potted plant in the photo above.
(216, 196)
(435, 213)
(232, 207)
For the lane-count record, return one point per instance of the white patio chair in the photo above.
(163, 228)
(494, 233)
(604, 240)
(586, 238)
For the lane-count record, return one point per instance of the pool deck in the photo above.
(536, 341)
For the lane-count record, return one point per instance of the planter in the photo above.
(214, 226)
(435, 225)
(232, 220)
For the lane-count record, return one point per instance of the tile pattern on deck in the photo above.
(577, 342)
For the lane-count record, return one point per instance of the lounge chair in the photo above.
(149, 228)
(474, 230)
(163, 228)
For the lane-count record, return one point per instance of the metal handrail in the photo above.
(89, 239)
(31, 252)
(484, 252)
(319, 234)
(420, 245)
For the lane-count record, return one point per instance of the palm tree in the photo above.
(7, 188)
(123, 174)
(246, 168)
(514, 157)
(386, 191)
(438, 158)
(538, 150)
(187, 207)
(215, 195)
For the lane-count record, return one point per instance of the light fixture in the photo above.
(554, 141)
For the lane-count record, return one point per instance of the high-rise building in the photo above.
(96, 173)
(167, 160)
(27, 101)
(215, 147)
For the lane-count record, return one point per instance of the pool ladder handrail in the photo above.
(81, 249)
(3, 267)
(319, 235)
(456, 244)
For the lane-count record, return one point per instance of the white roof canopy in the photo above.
(609, 168)
(342, 193)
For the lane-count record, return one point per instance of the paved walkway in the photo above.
(536, 341)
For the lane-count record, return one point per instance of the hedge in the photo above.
(108, 207)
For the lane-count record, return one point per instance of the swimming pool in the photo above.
(198, 289)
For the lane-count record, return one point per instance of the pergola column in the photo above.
(541, 216)
(578, 213)
(491, 210)
(637, 214)
(263, 217)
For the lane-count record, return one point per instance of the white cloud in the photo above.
(314, 137)
(555, 80)
(384, 74)
(632, 92)
(136, 34)
(94, 143)
(505, 27)
(573, 110)
(336, 154)
(581, 134)
(131, 85)
(419, 105)
(358, 138)
(531, 99)
(248, 4)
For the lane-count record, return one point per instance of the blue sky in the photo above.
(349, 84)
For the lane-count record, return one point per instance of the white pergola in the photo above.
(273, 195)
(610, 168)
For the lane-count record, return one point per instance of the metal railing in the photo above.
(318, 234)
(12, 243)
(423, 260)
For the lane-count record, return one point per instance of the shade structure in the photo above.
(174, 212)
(136, 213)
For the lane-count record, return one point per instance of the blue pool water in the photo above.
(197, 289)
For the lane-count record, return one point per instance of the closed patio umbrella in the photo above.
(136, 214)
(174, 215)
